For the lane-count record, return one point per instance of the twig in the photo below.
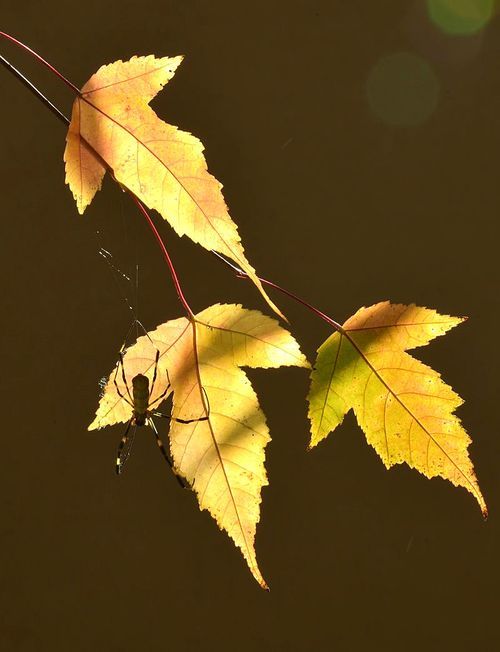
(241, 274)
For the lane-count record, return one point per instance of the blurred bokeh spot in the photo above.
(402, 89)
(460, 17)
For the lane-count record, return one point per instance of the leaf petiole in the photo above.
(241, 274)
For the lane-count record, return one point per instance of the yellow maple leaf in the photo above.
(162, 165)
(220, 453)
(402, 405)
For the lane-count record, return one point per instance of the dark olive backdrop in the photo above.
(332, 202)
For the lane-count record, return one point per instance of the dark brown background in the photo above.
(337, 206)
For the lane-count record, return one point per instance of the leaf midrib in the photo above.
(250, 556)
(141, 143)
(405, 407)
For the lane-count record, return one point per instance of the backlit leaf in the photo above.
(402, 405)
(222, 458)
(162, 165)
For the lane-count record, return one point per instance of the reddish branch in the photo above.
(239, 272)
(42, 61)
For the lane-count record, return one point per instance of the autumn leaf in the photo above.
(404, 408)
(162, 165)
(221, 457)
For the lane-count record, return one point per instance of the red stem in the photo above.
(241, 274)
(166, 255)
(306, 304)
(42, 60)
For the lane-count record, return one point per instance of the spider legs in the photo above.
(183, 483)
(128, 400)
(159, 398)
(155, 372)
(166, 416)
(124, 447)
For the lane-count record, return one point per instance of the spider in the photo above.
(142, 414)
